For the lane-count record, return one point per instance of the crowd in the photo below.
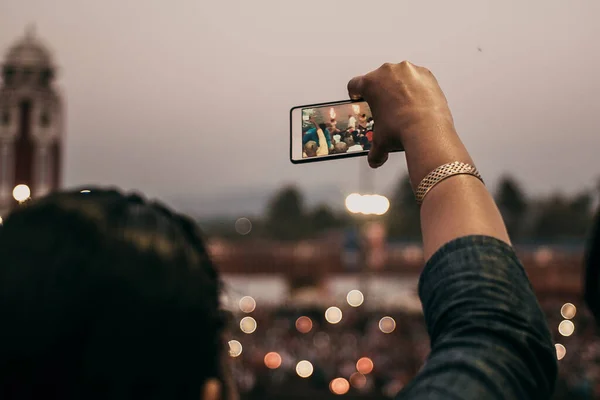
(356, 134)
(334, 351)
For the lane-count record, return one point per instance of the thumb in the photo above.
(378, 154)
(356, 87)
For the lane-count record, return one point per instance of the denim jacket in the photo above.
(489, 336)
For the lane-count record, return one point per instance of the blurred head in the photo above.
(107, 296)
(323, 127)
(349, 141)
(592, 270)
(364, 142)
(341, 147)
(310, 148)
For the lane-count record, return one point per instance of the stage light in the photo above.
(304, 369)
(21, 193)
(235, 348)
(247, 304)
(333, 315)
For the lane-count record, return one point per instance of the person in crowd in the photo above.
(312, 134)
(365, 144)
(108, 296)
(104, 296)
(352, 146)
(333, 129)
(489, 336)
(340, 148)
(320, 146)
(370, 124)
(362, 121)
(351, 122)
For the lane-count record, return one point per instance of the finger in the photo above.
(377, 156)
(356, 88)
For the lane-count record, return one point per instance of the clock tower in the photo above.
(31, 123)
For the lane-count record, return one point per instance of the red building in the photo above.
(31, 123)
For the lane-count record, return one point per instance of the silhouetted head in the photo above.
(592, 270)
(323, 127)
(106, 296)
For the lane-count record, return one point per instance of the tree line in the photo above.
(558, 217)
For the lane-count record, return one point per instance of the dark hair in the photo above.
(323, 127)
(592, 270)
(106, 296)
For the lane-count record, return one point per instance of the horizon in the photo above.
(191, 104)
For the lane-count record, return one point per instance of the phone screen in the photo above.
(331, 130)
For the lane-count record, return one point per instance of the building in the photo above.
(31, 123)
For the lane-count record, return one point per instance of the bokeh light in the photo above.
(568, 311)
(304, 324)
(248, 325)
(387, 324)
(235, 348)
(566, 328)
(272, 360)
(1, 221)
(355, 298)
(247, 304)
(358, 380)
(543, 256)
(243, 226)
(85, 191)
(21, 193)
(304, 369)
(353, 203)
(561, 351)
(368, 204)
(364, 365)
(333, 315)
(339, 386)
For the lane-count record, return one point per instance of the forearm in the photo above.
(323, 148)
(489, 337)
(458, 206)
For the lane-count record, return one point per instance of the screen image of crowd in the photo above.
(339, 129)
(353, 352)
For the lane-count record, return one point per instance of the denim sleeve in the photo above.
(489, 336)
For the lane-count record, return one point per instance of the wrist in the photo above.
(434, 148)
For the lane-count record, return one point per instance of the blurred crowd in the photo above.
(355, 134)
(373, 361)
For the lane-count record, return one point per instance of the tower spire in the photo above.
(30, 31)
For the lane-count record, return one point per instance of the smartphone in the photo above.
(327, 131)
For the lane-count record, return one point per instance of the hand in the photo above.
(407, 103)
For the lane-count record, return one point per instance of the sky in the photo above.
(188, 101)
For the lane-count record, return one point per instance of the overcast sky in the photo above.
(189, 101)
